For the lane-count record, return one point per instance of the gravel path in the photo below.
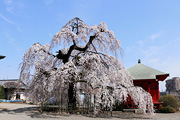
(10, 111)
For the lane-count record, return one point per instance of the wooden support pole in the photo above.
(60, 93)
(37, 99)
(42, 97)
(78, 107)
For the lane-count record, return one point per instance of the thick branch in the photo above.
(87, 45)
(65, 57)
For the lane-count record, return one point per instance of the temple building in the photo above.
(147, 78)
(13, 89)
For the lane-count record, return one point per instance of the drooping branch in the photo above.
(47, 52)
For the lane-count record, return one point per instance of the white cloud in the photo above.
(9, 39)
(15, 8)
(8, 2)
(18, 28)
(177, 41)
(6, 19)
(129, 48)
(10, 22)
(173, 67)
(48, 2)
(12, 42)
(150, 51)
(154, 60)
(82, 5)
(10, 9)
(154, 36)
(146, 46)
(140, 42)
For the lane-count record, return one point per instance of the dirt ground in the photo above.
(10, 111)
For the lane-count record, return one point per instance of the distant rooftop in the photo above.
(1, 56)
(3, 82)
(141, 71)
(8, 80)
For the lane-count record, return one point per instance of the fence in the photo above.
(86, 108)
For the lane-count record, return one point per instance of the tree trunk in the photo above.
(71, 95)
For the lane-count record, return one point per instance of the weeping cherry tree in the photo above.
(81, 64)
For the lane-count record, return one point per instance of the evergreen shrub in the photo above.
(167, 109)
(168, 102)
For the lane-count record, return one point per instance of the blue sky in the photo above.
(147, 29)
